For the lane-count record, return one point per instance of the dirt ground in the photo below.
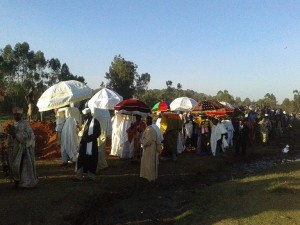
(119, 195)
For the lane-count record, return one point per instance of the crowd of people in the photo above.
(83, 137)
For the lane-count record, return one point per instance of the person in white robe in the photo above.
(230, 131)
(69, 137)
(103, 116)
(217, 133)
(120, 144)
(60, 121)
(151, 148)
(115, 136)
(21, 157)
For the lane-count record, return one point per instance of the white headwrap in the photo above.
(86, 111)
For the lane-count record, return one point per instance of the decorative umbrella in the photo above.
(104, 99)
(62, 94)
(133, 107)
(208, 105)
(182, 104)
(212, 108)
(161, 106)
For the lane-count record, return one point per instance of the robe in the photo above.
(135, 132)
(151, 148)
(69, 141)
(103, 116)
(21, 155)
(86, 162)
(230, 130)
(216, 135)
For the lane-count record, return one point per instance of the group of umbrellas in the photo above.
(66, 92)
(209, 107)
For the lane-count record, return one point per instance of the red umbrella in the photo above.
(133, 107)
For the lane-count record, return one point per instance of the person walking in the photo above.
(151, 148)
(242, 137)
(88, 148)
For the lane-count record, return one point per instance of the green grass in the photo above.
(272, 197)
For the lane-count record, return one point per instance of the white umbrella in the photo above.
(182, 104)
(62, 94)
(105, 99)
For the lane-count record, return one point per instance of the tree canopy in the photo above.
(124, 79)
(22, 68)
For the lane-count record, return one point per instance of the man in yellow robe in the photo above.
(151, 148)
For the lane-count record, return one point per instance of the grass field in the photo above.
(272, 197)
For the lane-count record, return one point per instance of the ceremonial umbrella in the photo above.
(182, 104)
(62, 94)
(161, 106)
(207, 105)
(133, 107)
(212, 108)
(105, 99)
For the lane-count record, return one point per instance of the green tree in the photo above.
(54, 67)
(247, 102)
(224, 96)
(121, 77)
(169, 83)
(288, 105)
(269, 100)
(141, 84)
(124, 79)
(237, 101)
(179, 86)
(21, 68)
(296, 100)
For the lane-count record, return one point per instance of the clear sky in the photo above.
(247, 47)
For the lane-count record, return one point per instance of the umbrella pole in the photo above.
(41, 113)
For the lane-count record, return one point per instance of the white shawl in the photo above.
(89, 145)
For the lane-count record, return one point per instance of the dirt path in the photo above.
(119, 196)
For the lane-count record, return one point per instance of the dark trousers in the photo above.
(240, 144)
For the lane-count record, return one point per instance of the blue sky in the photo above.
(249, 48)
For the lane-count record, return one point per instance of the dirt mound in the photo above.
(46, 144)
